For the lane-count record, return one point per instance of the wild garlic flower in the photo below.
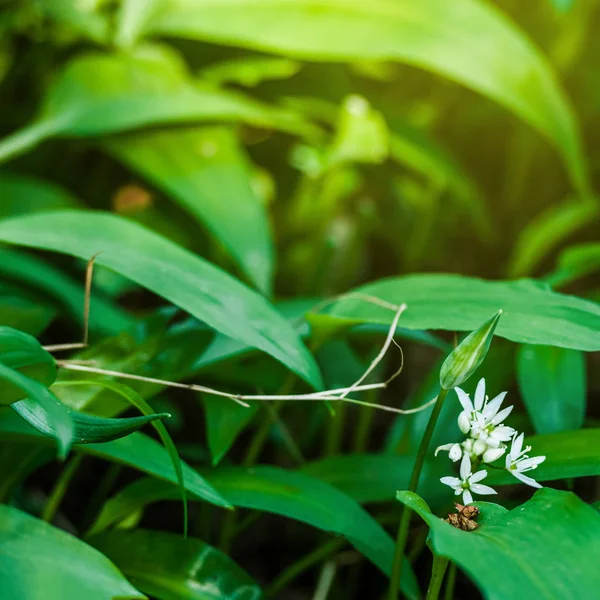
(482, 419)
(467, 484)
(517, 461)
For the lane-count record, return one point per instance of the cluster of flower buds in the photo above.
(482, 422)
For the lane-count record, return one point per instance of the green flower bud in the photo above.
(464, 359)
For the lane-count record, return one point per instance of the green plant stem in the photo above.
(301, 565)
(440, 563)
(335, 431)
(363, 427)
(325, 581)
(412, 487)
(450, 582)
(60, 489)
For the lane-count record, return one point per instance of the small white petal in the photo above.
(478, 476)
(491, 408)
(464, 424)
(480, 394)
(445, 448)
(465, 467)
(530, 463)
(492, 454)
(455, 452)
(526, 480)
(502, 415)
(483, 490)
(453, 482)
(464, 399)
(503, 433)
(467, 498)
(479, 447)
(516, 446)
(468, 445)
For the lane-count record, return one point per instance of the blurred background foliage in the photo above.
(306, 147)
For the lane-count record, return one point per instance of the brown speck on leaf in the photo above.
(464, 517)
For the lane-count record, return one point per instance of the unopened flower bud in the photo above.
(479, 447)
(492, 454)
(468, 445)
(464, 359)
(455, 452)
(464, 423)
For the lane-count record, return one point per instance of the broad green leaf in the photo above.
(224, 421)
(574, 263)
(206, 171)
(547, 231)
(553, 386)
(41, 562)
(249, 71)
(99, 93)
(168, 270)
(376, 477)
(568, 454)
(287, 493)
(508, 555)
(466, 40)
(105, 317)
(22, 352)
(87, 429)
(170, 567)
(137, 451)
(532, 313)
(24, 195)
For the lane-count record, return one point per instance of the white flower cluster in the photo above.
(482, 422)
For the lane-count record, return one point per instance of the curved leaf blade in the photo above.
(532, 312)
(466, 41)
(170, 567)
(99, 94)
(23, 353)
(286, 493)
(137, 451)
(170, 271)
(87, 429)
(206, 171)
(46, 404)
(507, 556)
(61, 565)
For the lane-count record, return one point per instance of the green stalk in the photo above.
(450, 582)
(60, 489)
(440, 563)
(412, 487)
(363, 428)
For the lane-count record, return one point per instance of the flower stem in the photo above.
(412, 487)
(440, 563)
(450, 582)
